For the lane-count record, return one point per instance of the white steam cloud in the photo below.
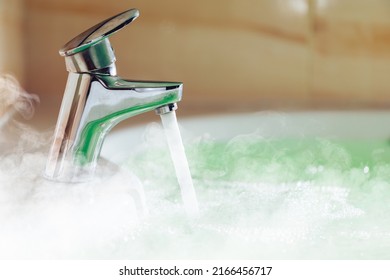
(44, 219)
(258, 198)
(14, 99)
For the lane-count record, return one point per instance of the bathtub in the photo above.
(326, 124)
(270, 185)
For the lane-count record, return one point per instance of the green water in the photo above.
(288, 159)
(253, 159)
(270, 198)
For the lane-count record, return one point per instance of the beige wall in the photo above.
(230, 54)
(11, 38)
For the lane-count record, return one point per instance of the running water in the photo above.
(180, 162)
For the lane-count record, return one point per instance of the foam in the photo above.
(258, 198)
(333, 213)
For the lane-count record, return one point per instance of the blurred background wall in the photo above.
(232, 55)
(12, 38)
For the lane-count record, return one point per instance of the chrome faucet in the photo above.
(96, 99)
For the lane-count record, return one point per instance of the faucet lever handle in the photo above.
(99, 32)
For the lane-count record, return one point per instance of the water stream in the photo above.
(180, 162)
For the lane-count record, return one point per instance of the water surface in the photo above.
(259, 198)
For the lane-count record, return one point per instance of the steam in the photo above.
(259, 198)
(44, 219)
(14, 101)
(14, 98)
